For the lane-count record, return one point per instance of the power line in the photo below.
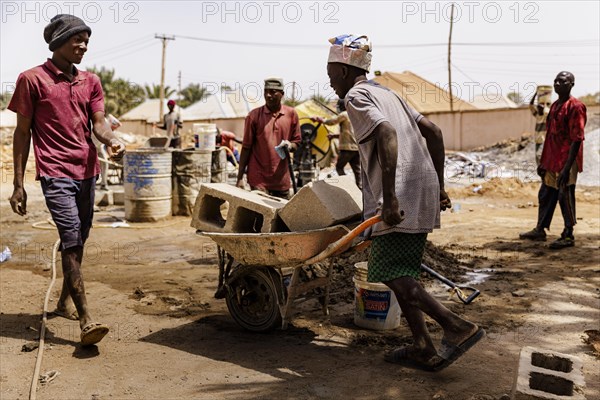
(391, 46)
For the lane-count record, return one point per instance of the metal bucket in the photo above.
(148, 191)
(191, 168)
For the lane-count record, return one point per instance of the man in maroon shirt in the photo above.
(562, 159)
(266, 127)
(59, 107)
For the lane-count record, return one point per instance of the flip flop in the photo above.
(450, 353)
(92, 333)
(401, 357)
(65, 314)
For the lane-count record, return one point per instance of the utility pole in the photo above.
(449, 62)
(162, 72)
(179, 85)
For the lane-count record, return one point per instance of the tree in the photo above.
(120, 95)
(4, 99)
(516, 97)
(191, 94)
(591, 99)
(153, 92)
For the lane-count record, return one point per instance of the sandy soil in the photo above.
(170, 338)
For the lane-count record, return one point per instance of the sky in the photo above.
(498, 46)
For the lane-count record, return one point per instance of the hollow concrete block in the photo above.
(548, 375)
(324, 203)
(220, 207)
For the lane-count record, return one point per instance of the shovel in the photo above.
(455, 288)
(284, 152)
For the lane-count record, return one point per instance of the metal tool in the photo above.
(459, 290)
(283, 152)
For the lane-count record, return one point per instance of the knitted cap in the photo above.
(61, 28)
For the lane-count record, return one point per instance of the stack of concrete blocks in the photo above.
(548, 375)
(324, 203)
(247, 212)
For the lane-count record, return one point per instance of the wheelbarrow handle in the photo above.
(344, 240)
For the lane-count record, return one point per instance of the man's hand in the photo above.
(18, 201)
(445, 202)
(317, 119)
(390, 212)
(116, 150)
(541, 171)
(240, 183)
(563, 178)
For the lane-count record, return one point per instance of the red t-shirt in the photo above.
(227, 139)
(565, 124)
(262, 132)
(61, 113)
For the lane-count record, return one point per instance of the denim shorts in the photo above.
(71, 204)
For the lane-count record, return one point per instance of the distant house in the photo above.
(139, 120)
(469, 125)
(492, 102)
(227, 108)
(8, 119)
(422, 95)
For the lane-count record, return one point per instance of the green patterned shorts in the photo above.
(395, 255)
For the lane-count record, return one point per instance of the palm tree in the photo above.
(153, 92)
(120, 95)
(191, 94)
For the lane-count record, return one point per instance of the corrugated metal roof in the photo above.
(223, 105)
(148, 111)
(490, 102)
(420, 94)
(8, 119)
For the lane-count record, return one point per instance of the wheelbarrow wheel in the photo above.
(253, 299)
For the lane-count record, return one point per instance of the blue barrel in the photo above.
(147, 184)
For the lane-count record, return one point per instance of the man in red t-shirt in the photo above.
(562, 159)
(265, 128)
(59, 107)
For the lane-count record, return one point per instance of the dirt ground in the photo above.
(170, 338)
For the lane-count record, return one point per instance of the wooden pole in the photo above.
(162, 73)
(449, 62)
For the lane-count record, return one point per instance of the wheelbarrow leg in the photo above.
(287, 308)
(327, 288)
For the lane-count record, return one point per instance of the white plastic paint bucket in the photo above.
(205, 136)
(375, 305)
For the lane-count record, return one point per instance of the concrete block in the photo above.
(324, 203)
(104, 198)
(548, 375)
(221, 207)
(119, 197)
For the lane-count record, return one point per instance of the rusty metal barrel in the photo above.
(147, 184)
(191, 168)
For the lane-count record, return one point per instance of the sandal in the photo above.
(403, 356)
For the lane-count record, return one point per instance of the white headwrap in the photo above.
(351, 50)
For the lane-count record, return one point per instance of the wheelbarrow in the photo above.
(260, 273)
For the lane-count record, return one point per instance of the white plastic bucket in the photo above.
(375, 305)
(205, 136)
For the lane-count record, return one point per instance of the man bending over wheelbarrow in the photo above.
(402, 158)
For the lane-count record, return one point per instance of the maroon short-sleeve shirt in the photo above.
(565, 124)
(61, 113)
(262, 132)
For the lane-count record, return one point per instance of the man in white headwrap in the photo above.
(402, 159)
